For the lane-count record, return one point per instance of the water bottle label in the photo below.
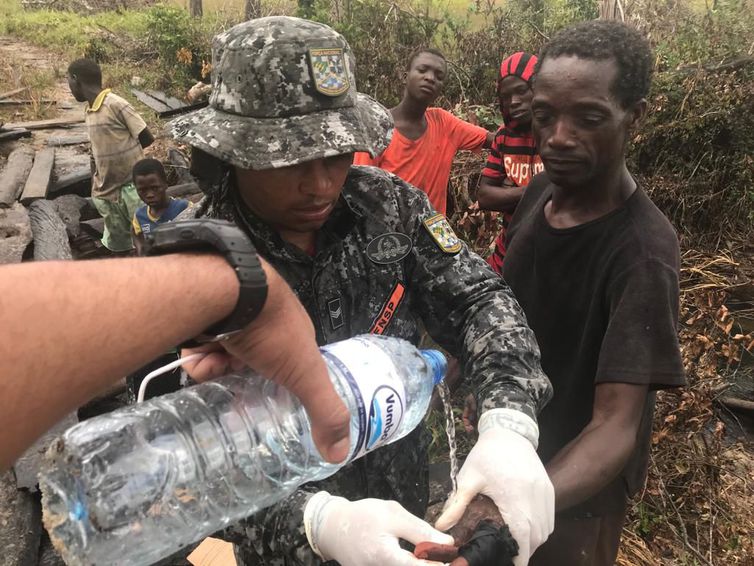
(379, 392)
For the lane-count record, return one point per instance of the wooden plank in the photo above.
(28, 465)
(16, 134)
(50, 236)
(170, 101)
(13, 92)
(94, 228)
(70, 139)
(38, 182)
(46, 124)
(150, 101)
(15, 233)
(183, 110)
(184, 190)
(13, 177)
(213, 552)
(69, 182)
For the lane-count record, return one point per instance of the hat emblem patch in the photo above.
(329, 71)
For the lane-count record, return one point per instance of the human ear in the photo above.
(637, 113)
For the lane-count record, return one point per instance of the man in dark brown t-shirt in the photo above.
(594, 264)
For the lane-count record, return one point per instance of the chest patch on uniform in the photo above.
(389, 248)
(443, 235)
(388, 309)
(329, 71)
(335, 310)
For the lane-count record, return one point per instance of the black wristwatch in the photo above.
(229, 241)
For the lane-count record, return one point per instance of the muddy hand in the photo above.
(504, 466)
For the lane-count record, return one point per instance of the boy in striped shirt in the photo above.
(513, 159)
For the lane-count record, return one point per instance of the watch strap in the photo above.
(229, 241)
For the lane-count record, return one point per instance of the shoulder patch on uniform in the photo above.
(329, 71)
(443, 235)
(389, 247)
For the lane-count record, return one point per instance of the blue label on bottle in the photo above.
(378, 392)
(385, 414)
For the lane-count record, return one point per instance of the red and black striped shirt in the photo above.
(513, 156)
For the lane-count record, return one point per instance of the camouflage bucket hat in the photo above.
(283, 92)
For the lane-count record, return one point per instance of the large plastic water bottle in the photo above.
(138, 484)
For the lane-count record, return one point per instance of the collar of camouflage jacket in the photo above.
(268, 241)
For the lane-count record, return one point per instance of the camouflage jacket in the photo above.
(380, 267)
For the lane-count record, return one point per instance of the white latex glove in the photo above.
(365, 532)
(504, 466)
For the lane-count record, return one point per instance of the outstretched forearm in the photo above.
(71, 328)
(495, 195)
(595, 457)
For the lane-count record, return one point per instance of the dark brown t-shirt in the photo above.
(602, 299)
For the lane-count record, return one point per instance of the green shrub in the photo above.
(176, 38)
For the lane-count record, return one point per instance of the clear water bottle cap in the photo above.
(437, 362)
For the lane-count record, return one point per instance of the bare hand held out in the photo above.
(280, 345)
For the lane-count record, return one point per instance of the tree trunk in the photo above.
(253, 9)
(305, 8)
(195, 8)
(50, 236)
(15, 233)
(69, 209)
(612, 10)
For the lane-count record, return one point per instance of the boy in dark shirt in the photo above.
(594, 264)
(152, 185)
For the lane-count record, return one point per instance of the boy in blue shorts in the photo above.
(151, 184)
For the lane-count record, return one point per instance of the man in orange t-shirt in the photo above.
(425, 140)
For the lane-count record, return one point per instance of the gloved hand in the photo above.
(365, 532)
(504, 466)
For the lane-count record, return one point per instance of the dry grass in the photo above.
(696, 507)
(39, 85)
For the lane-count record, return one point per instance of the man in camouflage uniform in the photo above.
(364, 252)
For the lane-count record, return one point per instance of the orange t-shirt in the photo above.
(426, 162)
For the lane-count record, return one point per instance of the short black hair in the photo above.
(147, 167)
(603, 40)
(86, 71)
(420, 51)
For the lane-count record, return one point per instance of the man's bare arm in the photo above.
(494, 194)
(489, 140)
(596, 456)
(71, 328)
